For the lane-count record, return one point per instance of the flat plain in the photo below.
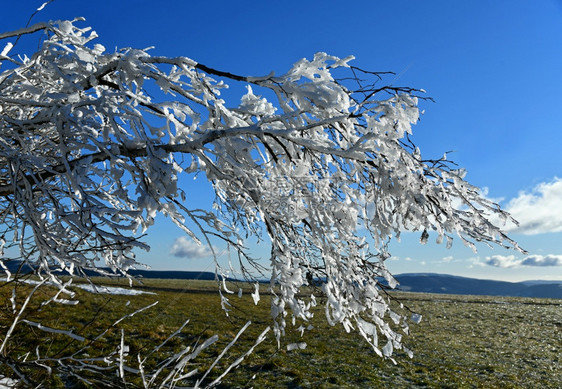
(462, 341)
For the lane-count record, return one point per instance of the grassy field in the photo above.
(463, 341)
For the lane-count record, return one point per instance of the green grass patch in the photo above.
(463, 341)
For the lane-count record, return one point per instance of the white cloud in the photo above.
(186, 248)
(396, 258)
(502, 261)
(539, 260)
(538, 211)
(448, 258)
(507, 261)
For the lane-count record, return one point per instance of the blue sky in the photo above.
(493, 68)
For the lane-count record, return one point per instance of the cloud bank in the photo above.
(186, 248)
(538, 211)
(510, 261)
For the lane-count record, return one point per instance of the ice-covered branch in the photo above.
(93, 144)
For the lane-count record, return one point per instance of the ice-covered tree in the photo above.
(316, 161)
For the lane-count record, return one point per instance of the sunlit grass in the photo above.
(463, 341)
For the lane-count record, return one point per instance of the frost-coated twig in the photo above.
(224, 351)
(54, 330)
(18, 316)
(181, 360)
(239, 360)
(121, 357)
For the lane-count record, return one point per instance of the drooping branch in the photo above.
(93, 145)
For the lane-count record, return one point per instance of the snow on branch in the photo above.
(93, 143)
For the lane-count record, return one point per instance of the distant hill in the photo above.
(540, 282)
(176, 274)
(13, 267)
(443, 283)
(410, 282)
